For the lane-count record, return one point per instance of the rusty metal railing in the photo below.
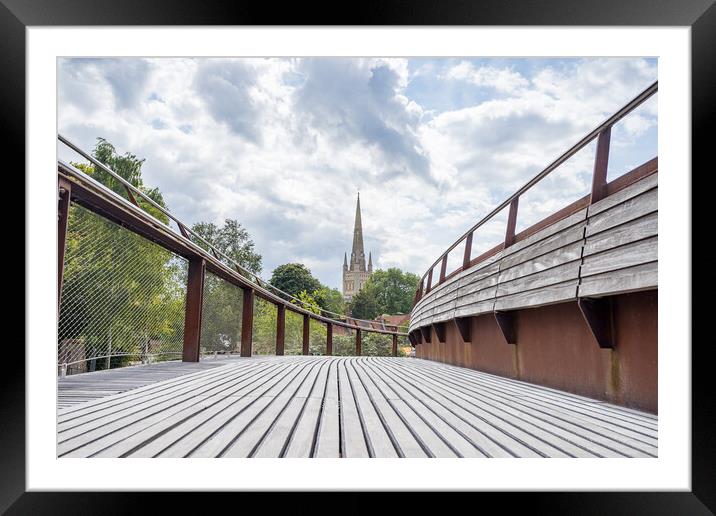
(78, 189)
(599, 181)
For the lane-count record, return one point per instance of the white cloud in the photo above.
(282, 145)
(502, 79)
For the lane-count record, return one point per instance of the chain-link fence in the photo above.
(122, 297)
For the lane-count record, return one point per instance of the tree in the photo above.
(364, 304)
(386, 292)
(330, 299)
(223, 302)
(294, 278)
(233, 240)
(120, 291)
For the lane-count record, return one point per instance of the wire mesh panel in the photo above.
(122, 300)
(344, 344)
(376, 344)
(264, 331)
(221, 316)
(317, 340)
(294, 333)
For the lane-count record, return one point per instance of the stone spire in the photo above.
(370, 262)
(358, 254)
(345, 262)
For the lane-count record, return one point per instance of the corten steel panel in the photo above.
(555, 348)
(489, 351)
(192, 310)
(636, 331)
(247, 322)
(329, 339)
(280, 329)
(306, 334)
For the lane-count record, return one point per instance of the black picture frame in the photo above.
(700, 15)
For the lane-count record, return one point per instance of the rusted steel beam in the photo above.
(443, 269)
(430, 281)
(464, 327)
(329, 339)
(131, 197)
(413, 339)
(64, 191)
(192, 311)
(599, 317)
(425, 332)
(247, 322)
(468, 252)
(358, 342)
(280, 329)
(395, 345)
(601, 163)
(511, 222)
(306, 334)
(506, 324)
(117, 209)
(440, 331)
(183, 231)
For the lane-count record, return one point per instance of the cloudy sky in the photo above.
(283, 145)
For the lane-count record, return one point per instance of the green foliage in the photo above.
(233, 240)
(121, 292)
(364, 304)
(330, 299)
(386, 292)
(294, 278)
(129, 168)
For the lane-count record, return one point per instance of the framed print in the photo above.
(417, 250)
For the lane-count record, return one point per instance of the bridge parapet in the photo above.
(575, 294)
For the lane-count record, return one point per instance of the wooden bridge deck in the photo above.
(341, 407)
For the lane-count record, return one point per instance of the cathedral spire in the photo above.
(358, 254)
(370, 262)
(345, 261)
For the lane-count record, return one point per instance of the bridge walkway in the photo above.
(311, 406)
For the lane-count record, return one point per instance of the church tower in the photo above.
(355, 272)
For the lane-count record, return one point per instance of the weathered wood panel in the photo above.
(566, 272)
(538, 297)
(609, 247)
(624, 195)
(629, 210)
(638, 229)
(631, 279)
(621, 257)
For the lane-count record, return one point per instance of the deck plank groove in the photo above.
(311, 406)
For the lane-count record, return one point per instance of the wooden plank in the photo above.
(108, 430)
(478, 308)
(543, 263)
(377, 438)
(281, 406)
(627, 193)
(540, 297)
(216, 439)
(557, 227)
(256, 430)
(328, 436)
(636, 253)
(544, 278)
(353, 440)
(632, 231)
(566, 238)
(624, 212)
(630, 279)
(297, 424)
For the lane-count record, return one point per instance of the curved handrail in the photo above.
(607, 124)
(183, 228)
